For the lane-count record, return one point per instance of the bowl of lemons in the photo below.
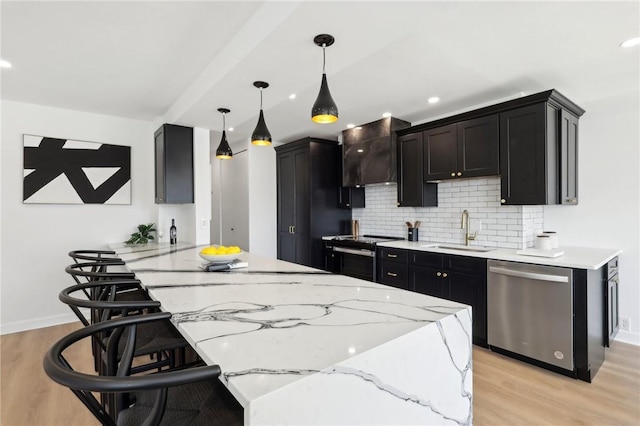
(220, 254)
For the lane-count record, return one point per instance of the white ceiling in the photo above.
(182, 60)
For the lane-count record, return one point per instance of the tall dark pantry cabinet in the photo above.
(308, 185)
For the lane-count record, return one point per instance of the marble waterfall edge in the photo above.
(430, 384)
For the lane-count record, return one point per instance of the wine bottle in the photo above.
(173, 232)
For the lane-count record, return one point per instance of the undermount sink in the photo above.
(480, 249)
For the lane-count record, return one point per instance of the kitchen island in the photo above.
(301, 346)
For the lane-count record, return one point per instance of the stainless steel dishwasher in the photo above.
(530, 311)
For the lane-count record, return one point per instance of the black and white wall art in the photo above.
(62, 171)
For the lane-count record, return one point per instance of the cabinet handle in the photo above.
(502, 200)
(348, 204)
(439, 274)
(391, 274)
(453, 173)
(444, 275)
(293, 229)
(392, 255)
(571, 200)
(459, 173)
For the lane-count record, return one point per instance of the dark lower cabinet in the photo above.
(307, 193)
(392, 267)
(611, 317)
(427, 281)
(459, 278)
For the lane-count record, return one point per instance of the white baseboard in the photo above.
(18, 326)
(628, 337)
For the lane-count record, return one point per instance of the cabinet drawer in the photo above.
(612, 267)
(393, 274)
(393, 255)
(468, 265)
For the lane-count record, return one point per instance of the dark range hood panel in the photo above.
(369, 152)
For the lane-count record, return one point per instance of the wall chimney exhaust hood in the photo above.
(369, 152)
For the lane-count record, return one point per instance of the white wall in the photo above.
(37, 237)
(262, 200)
(608, 212)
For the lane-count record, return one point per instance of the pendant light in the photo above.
(261, 135)
(324, 109)
(224, 150)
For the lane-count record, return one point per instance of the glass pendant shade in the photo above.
(224, 150)
(261, 135)
(324, 109)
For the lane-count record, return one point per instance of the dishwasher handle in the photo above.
(529, 275)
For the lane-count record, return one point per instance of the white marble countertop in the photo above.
(287, 334)
(574, 257)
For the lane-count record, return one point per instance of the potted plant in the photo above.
(143, 236)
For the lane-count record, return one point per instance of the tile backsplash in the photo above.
(498, 225)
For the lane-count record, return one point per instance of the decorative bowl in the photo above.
(220, 258)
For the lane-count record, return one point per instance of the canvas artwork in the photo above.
(62, 171)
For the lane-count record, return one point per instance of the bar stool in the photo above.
(160, 339)
(185, 397)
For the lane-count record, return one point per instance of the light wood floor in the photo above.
(506, 392)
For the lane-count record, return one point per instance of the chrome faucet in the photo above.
(465, 225)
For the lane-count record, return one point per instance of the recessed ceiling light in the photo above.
(361, 150)
(350, 126)
(631, 42)
(433, 99)
(292, 96)
(357, 127)
(386, 114)
(230, 129)
(5, 64)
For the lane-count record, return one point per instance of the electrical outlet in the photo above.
(624, 324)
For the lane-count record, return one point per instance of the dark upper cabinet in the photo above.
(412, 189)
(307, 183)
(348, 196)
(538, 155)
(440, 148)
(568, 158)
(369, 152)
(173, 164)
(531, 142)
(478, 153)
(465, 149)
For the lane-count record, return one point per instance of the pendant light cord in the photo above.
(261, 99)
(324, 58)
(224, 124)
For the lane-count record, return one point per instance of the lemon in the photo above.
(220, 250)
